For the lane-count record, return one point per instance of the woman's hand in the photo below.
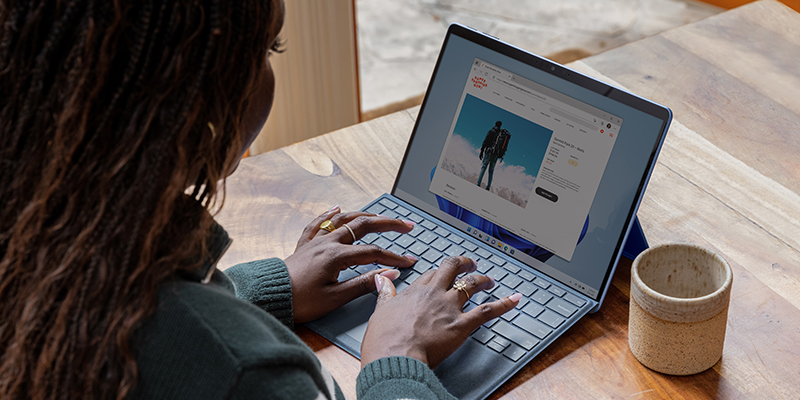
(426, 320)
(320, 256)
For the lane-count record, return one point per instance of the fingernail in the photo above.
(493, 282)
(515, 297)
(409, 223)
(334, 208)
(411, 257)
(474, 265)
(392, 274)
(378, 282)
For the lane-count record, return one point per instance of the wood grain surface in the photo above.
(728, 178)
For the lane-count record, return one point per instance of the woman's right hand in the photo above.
(426, 320)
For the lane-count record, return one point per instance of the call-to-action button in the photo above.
(547, 195)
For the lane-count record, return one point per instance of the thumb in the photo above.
(385, 287)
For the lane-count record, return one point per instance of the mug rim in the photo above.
(642, 289)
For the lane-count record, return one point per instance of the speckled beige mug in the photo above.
(679, 308)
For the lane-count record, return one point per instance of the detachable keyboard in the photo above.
(543, 308)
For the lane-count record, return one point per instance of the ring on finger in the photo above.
(353, 234)
(327, 225)
(461, 285)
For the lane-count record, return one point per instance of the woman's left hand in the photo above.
(320, 256)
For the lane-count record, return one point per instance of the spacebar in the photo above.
(515, 335)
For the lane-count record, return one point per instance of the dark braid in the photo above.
(103, 126)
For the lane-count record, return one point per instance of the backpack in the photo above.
(500, 144)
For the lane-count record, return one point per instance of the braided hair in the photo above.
(104, 124)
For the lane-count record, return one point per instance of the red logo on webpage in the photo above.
(478, 82)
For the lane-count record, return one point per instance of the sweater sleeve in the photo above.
(392, 378)
(266, 284)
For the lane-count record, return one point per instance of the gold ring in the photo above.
(353, 234)
(462, 286)
(327, 225)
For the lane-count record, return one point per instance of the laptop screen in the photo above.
(536, 160)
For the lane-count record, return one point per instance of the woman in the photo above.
(119, 123)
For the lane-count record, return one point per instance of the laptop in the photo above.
(533, 170)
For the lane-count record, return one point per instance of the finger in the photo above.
(312, 228)
(340, 219)
(452, 267)
(364, 224)
(489, 311)
(386, 289)
(360, 285)
(370, 253)
(474, 284)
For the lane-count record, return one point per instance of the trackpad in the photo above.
(347, 325)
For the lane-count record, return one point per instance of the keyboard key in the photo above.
(441, 231)
(396, 249)
(497, 259)
(390, 214)
(347, 274)
(428, 225)
(501, 341)
(512, 281)
(512, 268)
(362, 269)
(431, 256)
(533, 309)
(454, 251)
(456, 239)
(574, 299)
(391, 235)
(516, 335)
(414, 217)
(440, 244)
(532, 326)
(369, 238)
(557, 291)
(526, 275)
(376, 209)
(482, 253)
(510, 314)
(404, 241)
(514, 352)
(483, 335)
(551, 318)
(382, 242)
(412, 277)
(421, 266)
(418, 248)
(468, 306)
(388, 203)
(541, 283)
(469, 246)
(480, 297)
(542, 297)
(400, 285)
(416, 230)
(402, 211)
(502, 291)
(562, 307)
(522, 302)
(404, 273)
(484, 266)
(496, 273)
(527, 289)
(427, 237)
(495, 346)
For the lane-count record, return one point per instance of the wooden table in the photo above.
(728, 178)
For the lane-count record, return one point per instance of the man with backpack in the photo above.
(494, 147)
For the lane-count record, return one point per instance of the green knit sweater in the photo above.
(231, 339)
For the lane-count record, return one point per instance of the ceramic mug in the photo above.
(679, 308)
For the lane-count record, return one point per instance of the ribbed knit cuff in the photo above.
(266, 284)
(399, 378)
